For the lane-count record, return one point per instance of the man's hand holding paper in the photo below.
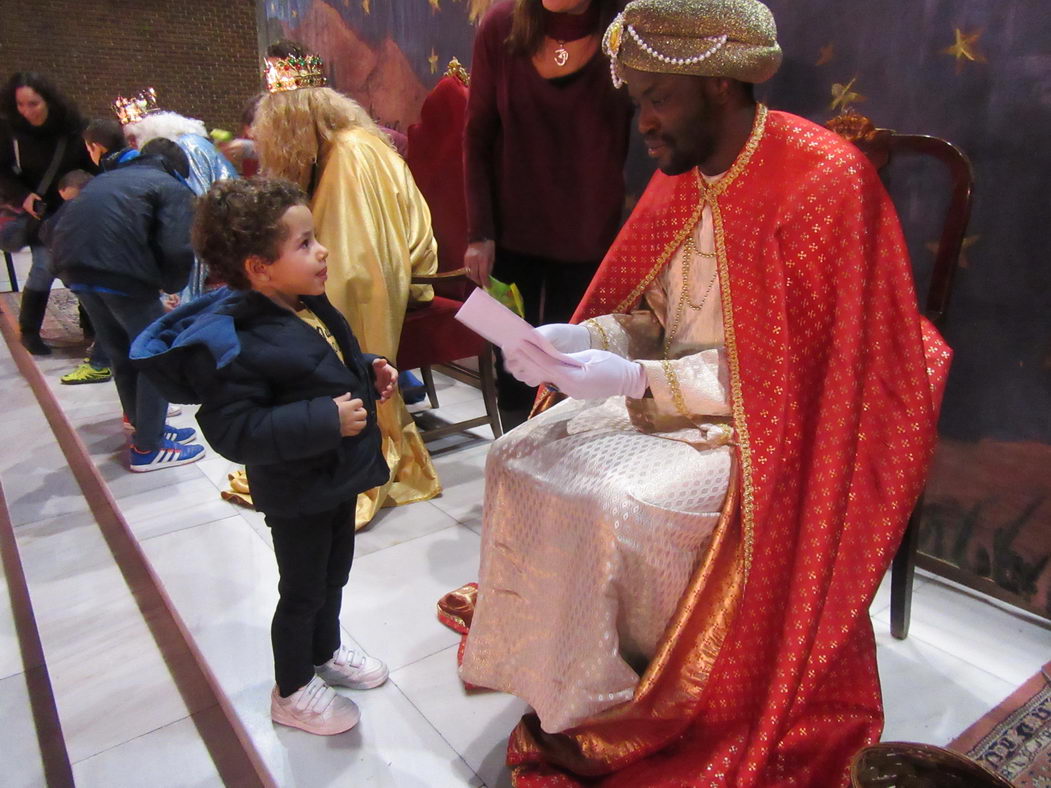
(535, 355)
(598, 373)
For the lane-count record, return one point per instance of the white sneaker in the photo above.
(173, 410)
(314, 708)
(354, 669)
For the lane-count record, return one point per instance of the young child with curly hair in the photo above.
(285, 389)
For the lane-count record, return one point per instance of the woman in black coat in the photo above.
(37, 121)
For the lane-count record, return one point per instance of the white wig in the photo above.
(163, 124)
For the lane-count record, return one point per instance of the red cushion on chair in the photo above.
(435, 158)
(431, 335)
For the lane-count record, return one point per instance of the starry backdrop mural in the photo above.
(979, 75)
(973, 72)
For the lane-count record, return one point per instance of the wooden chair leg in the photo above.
(902, 571)
(428, 385)
(487, 378)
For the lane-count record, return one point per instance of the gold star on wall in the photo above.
(826, 54)
(968, 242)
(844, 95)
(433, 60)
(435, 5)
(963, 48)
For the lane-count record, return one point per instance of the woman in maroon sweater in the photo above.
(544, 150)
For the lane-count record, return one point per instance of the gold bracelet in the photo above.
(601, 332)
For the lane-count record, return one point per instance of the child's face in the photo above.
(68, 193)
(300, 268)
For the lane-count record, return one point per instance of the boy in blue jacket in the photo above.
(285, 389)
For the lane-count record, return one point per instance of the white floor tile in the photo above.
(400, 524)
(475, 723)
(183, 504)
(389, 603)
(38, 484)
(21, 763)
(170, 757)
(1006, 643)
(100, 653)
(217, 469)
(930, 695)
(392, 747)
(463, 482)
(449, 391)
(222, 578)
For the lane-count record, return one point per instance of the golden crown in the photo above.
(293, 73)
(130, 110)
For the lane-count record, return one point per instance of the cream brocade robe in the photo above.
(377, 227)
(597, 512)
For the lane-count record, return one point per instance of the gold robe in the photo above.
(377, 227)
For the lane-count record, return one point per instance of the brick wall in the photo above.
(200, 55)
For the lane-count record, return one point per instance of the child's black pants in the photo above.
(314, 554)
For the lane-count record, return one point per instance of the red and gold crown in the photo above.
(293, 73)
(130, 110)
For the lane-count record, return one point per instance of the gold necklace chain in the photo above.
(689, 250)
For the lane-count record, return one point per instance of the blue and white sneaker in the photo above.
(179, 434)
(168, 455)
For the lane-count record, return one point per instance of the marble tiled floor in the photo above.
(965, 653)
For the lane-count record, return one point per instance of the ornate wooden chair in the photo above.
(430, 336)
(881, 146)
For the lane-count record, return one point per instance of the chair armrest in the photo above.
(444, 276)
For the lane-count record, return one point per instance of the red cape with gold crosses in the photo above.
(766, 675)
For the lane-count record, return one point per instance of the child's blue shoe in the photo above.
(412, 388)
(168, 455)
(179, 434)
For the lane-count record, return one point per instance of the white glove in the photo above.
(567, 337)
(527, 363)
(602, 374)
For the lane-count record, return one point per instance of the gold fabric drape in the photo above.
(376, 225)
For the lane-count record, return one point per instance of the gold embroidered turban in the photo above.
(707, 38)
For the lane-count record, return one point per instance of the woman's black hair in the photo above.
(62, 113)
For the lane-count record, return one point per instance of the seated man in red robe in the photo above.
(678, 559)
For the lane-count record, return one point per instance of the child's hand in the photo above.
(386, 379)
(352, 415)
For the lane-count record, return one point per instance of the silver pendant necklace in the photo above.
(561, 54)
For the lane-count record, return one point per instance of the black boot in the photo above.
(30, 318)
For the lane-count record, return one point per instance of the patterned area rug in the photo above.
(61, 327)
(1014, 739)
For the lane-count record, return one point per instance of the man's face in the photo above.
(675, 119)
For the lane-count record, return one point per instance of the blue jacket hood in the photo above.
(208, 322)
(204, 321)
